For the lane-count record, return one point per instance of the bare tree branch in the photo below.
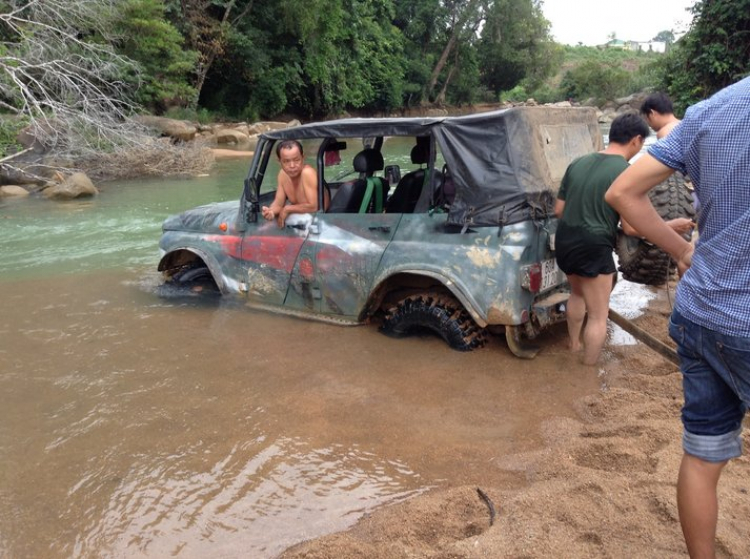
(58, 70)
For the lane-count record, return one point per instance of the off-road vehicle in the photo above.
(435, 224)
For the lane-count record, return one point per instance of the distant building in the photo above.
(648, 46)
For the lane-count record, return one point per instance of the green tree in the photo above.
(515, 46)
(666, 36)
(592, 79)
(714, 53)
(144, 35)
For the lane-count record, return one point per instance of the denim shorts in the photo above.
(716, 382)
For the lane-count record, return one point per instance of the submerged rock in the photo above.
(13, 191)
(77, 185)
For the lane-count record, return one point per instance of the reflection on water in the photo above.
(132, 425)
(254, 501)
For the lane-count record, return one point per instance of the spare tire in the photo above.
(644, 262)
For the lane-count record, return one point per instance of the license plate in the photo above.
(550, 274)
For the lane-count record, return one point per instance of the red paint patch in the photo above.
(278, 252)
(306, 269)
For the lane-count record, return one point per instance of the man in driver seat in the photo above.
(297, 190)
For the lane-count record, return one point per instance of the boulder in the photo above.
(177, 129)
(13, 191)
(231, 136)
(77, 185)
(293, 123)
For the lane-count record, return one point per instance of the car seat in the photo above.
(406, 195)
(365, 194)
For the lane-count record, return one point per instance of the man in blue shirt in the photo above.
(711, 319)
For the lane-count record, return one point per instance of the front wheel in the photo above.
(438, 313)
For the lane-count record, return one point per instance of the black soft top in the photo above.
(506, 164)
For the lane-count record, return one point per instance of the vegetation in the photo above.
(84, 66)
(713, 54)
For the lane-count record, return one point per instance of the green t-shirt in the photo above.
(583, 187)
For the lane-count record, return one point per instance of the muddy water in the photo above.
(132, 425)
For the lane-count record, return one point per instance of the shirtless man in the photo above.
(297, 184)
(658, 111)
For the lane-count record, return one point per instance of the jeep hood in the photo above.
(507, 165)
(206, 219)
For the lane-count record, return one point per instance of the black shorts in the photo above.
(580, 256)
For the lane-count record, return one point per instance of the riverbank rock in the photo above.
(179, 130)
(77, 185)
(13, 191)
(231, 136)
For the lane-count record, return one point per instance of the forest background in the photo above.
(90, 64)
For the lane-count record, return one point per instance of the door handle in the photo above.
(383, 228)
(300, 226)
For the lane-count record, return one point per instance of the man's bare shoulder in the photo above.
(666, 129)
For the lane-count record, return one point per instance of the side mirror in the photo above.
(392, 174)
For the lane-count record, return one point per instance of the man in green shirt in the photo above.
(587, 232)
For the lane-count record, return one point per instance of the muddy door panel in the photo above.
(269, 253)
(338, 262)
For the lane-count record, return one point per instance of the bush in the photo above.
(202, 116)
(9, 129)
(592, 79)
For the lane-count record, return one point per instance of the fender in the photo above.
(450, 283)
(210, 262)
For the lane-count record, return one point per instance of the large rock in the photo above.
(177, 129)
(77, 185)
(267, 126)
(13, 191)
(231, 136)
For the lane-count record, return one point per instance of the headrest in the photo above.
(420, 154)
(368, 161)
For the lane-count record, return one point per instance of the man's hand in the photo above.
(685, 260)
(267, 213)
(283, 214)
(681, 225)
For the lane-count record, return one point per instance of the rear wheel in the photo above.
(438, 313)
(641, 261)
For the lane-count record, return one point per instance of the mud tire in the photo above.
(193, 279)
(437, 313)
(645, 263)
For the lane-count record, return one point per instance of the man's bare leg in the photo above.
(576, 312)
(596, 293)
(698, 504)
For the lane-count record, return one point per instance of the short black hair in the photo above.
(626, 127)
(659, 102)
(287, 144)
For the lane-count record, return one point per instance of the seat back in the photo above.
(409, 189)
(365, 194)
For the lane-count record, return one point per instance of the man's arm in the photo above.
(270, 212)
(310, 188)
(628, 195)
(559, 207)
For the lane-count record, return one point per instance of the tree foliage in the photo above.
(714, 53)
(144, 35)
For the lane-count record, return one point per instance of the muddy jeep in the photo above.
(443, 225)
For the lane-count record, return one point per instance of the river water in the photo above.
(132, 425)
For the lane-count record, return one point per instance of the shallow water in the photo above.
(132, 425)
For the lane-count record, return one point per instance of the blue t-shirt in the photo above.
(712, 146)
